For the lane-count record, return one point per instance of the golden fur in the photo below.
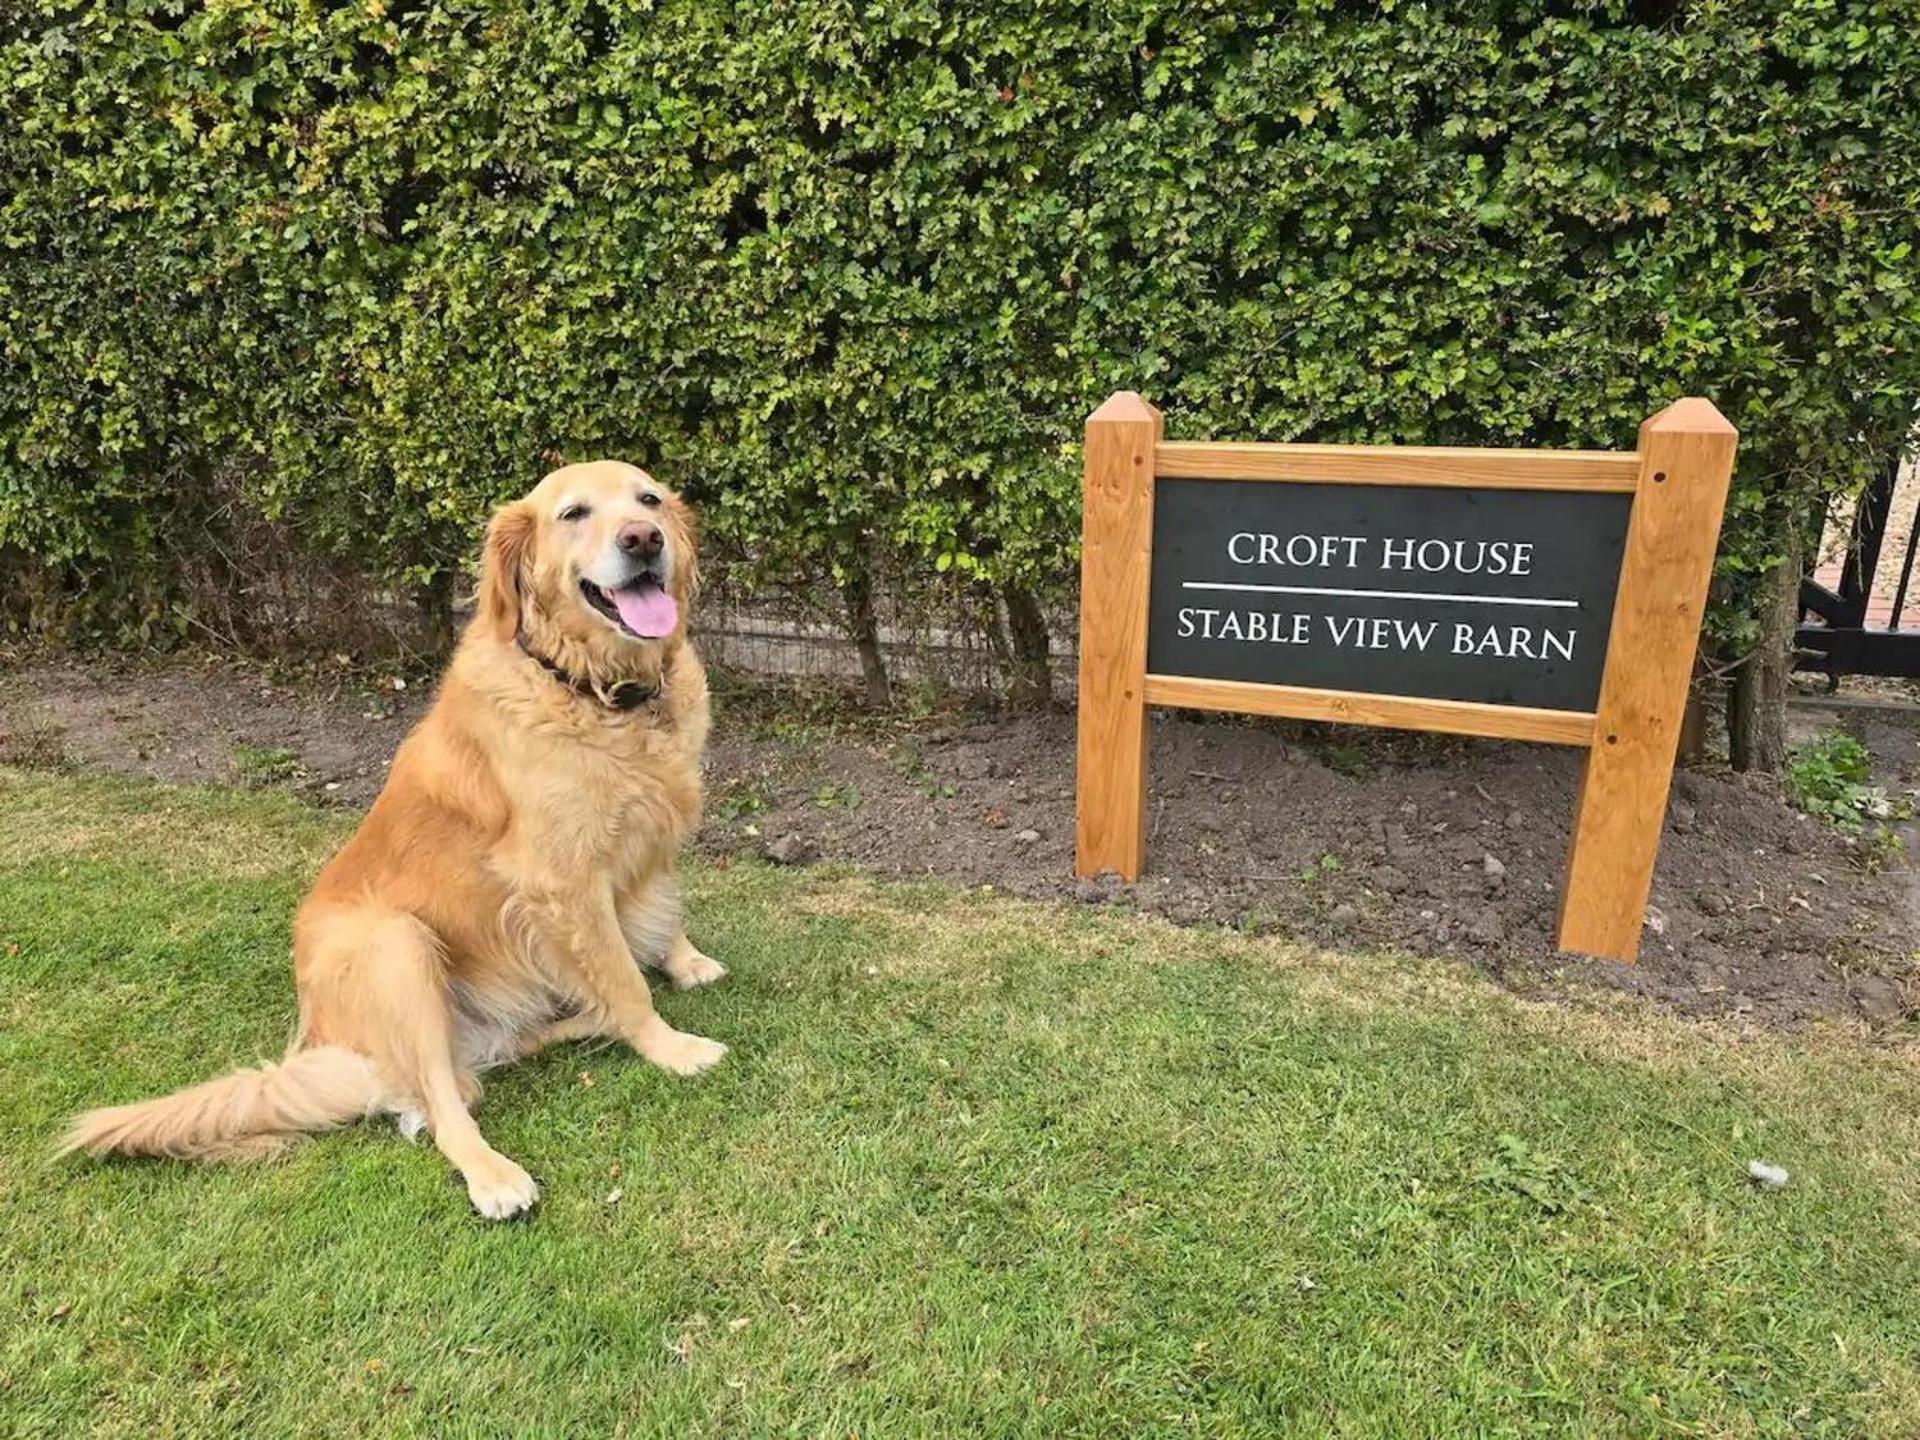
(514, 874)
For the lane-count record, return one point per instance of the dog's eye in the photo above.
(649, 499)
(575, 512)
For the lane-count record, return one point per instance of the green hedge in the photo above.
(855, 272)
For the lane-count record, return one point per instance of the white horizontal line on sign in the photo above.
(1380, 594)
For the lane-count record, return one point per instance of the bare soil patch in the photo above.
(1348, 839)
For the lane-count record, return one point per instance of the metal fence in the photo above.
(1855, 606)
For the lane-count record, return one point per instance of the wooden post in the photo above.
(1686, 459)
(1116, 548)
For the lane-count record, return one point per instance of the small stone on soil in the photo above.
(1026, 837)
(1344, 917)
(1879, 998)
(789, 849)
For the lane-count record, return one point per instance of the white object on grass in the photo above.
(1767, 1177)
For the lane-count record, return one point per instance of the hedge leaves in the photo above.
(855, 272)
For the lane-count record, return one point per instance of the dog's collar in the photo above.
(622, 695)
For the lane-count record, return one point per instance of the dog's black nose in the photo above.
(639, 538)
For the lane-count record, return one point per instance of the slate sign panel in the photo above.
(1498, 596)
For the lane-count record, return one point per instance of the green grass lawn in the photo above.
(973, 1167)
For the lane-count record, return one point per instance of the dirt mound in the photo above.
(1346, 838)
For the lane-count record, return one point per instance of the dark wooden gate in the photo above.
(1859, 628)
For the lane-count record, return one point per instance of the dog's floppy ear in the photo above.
(503, 567)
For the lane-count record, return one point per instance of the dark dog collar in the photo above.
(625, 695)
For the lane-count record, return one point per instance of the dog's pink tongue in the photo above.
(647, 609)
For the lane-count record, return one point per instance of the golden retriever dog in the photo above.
(516, 872)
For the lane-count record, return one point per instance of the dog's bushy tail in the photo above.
(250, 1112)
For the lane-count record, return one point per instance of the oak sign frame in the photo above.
(1678, 483)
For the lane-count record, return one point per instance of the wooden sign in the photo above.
(1546, 595)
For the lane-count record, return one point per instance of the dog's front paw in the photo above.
(500, 1189)
(691, 970)
(676, 1051)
